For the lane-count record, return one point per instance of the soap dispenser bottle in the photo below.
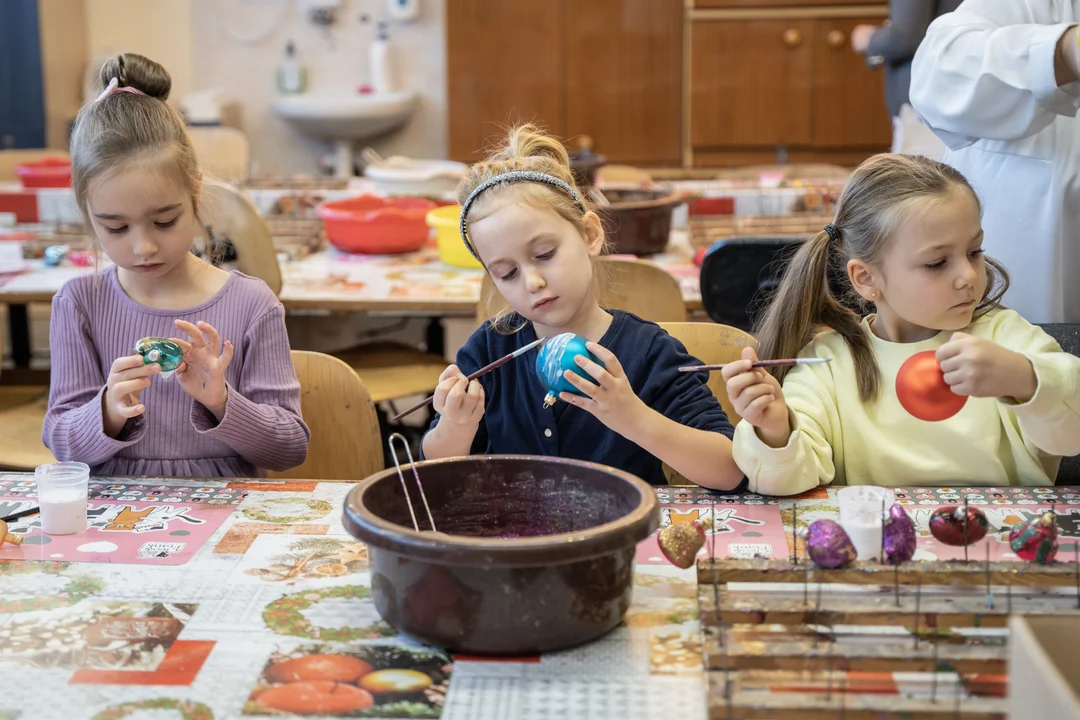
(382, 71)
(291, 75)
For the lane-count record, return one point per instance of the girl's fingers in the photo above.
(213, 340)
(614, 367)
(580, 383)
(197, 339)
(227, 356)
(185, 346)
(142, 371)
(130, 387)
(738, 384)
(595, 371)
(127, 411)
(757, 407)
(756, 391)
(734, 369)
(128, 362)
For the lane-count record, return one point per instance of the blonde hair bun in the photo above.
(139, 72)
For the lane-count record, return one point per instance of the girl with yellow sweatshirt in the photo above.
(907, 240)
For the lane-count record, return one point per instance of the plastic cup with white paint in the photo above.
(62, 493)
(861, 517)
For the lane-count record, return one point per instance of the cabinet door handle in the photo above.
(835, 38)
(792, 38)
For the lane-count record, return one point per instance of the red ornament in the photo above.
(947, 524)
(921, 389)
(1036, 539)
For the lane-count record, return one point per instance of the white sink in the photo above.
(345, 117)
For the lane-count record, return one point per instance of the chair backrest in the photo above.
(345, 441)
(11, 159)
(713, 344)
(231, 214)
(1068, 337)
(739, 272)
(223, 152)
(636, 286)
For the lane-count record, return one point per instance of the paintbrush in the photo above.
(761, 363)
(21, 514)
(482, 371)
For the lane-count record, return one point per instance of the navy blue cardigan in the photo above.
(515, 421)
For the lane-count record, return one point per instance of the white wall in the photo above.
(337, 61)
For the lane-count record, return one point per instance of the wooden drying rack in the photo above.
(786, 631)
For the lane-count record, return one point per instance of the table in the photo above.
(279, 577)
(415, 284)
(249, 572)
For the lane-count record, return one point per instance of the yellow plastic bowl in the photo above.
(446, 222)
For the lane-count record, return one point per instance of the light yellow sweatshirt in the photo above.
(995, 442)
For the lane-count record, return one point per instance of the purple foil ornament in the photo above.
(898, 536)
(828, 545)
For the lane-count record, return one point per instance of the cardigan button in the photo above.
(547, 432)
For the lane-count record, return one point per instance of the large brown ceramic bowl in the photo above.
(531, 553)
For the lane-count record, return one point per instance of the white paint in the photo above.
(64, 513)
(101, 546)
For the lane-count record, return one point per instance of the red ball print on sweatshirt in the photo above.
(922, 391)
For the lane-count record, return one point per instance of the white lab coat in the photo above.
(983, 80)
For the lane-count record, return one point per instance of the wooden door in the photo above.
(22, 104)
(624, 78)
(750, 83)
(849, 97)
(504, 66)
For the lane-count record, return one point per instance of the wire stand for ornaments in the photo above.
(778, 640)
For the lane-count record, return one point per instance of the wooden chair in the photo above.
(223, 152)
(231, 214)
(392, 370)
(1068, 337)
(10, 159)
(345, 442)
(636, 286)
(22, 414)
(713, 344)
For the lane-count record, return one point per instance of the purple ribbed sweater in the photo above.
(94, 322)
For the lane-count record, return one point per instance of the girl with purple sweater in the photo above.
(233, 407)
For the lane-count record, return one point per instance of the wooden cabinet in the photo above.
(769, 81)
(504, 66)
(609, 69)
(848, 107)
(668, 82)
(750, 83)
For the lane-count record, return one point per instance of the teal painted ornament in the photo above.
(161, 351)
(555, 358)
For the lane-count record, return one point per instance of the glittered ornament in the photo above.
(922, 390)
(828, 545)
(958, 525)
(161, 351)
(6, 537)
(555, 358)
(898, 536)
(680, 543)
(1036, 539)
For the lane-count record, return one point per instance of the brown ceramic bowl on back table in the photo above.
(532, 554)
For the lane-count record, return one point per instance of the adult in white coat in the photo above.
(997, 81)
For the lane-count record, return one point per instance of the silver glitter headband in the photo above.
(512, 177)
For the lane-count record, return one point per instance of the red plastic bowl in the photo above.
(376, 226)
(49, 173)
